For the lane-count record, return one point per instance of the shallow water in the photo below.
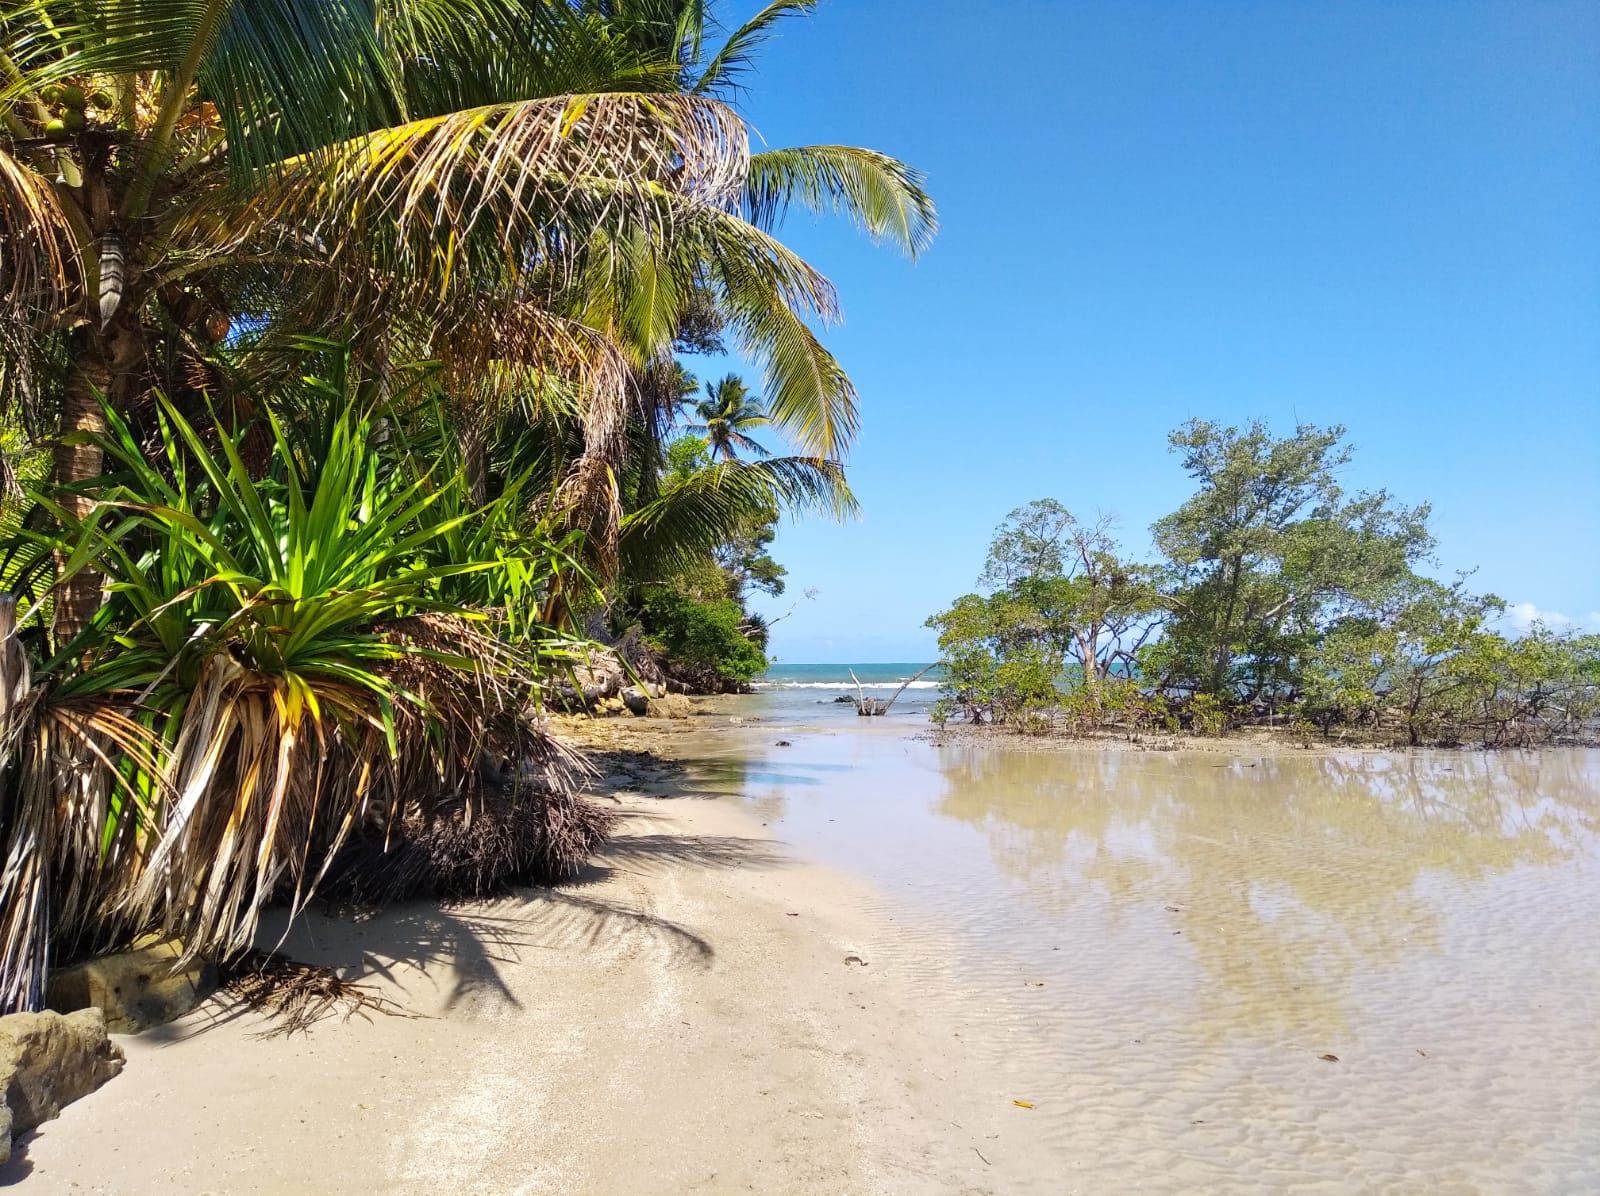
(1167, 944)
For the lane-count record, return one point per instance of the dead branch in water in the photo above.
(866, 706)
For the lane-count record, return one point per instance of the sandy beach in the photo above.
(842, 958)
(689, 1017)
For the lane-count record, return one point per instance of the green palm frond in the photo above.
(287, 76)
(883, 196)
(737, 53)
(694, 514)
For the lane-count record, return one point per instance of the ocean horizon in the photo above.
(888, 675)
(809, 692)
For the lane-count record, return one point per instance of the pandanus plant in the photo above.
(284, 659)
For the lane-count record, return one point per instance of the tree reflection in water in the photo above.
(1281, 877)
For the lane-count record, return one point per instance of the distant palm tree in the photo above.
(724, 414)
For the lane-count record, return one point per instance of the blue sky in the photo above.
(1385, 215)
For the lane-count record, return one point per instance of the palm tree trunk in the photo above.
(76, 461)
(103, 362)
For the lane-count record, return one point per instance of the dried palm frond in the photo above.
(588, 502)
(76, 776)
(532, 837)
(502, 189)
(37, 247)
(298, 995)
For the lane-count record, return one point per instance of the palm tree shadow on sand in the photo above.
(447, 956)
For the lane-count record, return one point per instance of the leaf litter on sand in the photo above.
(299, 995)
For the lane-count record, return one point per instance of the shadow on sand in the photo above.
(449, 955)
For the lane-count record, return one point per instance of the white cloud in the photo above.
(1520, 616)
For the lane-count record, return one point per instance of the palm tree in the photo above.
(532, 194)
(694, 514)
(168, 167)
(518, 182)
(761, 294)
(724, 414)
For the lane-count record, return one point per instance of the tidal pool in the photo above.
(1364, 972)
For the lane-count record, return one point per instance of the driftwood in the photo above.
(866, 706)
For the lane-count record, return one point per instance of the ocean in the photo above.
(808, 692)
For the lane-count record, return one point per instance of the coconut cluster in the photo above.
(69, 104)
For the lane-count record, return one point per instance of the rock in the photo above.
(669, 706)
(599, 678)
(610, 706)
(48, 1060)
(5, 1132)
(135, 989)
(636, 700)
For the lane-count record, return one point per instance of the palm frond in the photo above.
(695, 514)
(737, 53)
(286, 77)
(497, 191)
(38, 246)
(882, 195)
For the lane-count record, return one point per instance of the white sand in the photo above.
(685, 1021)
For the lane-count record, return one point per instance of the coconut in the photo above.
(72, 96)
(73, 120)
(102, 99)
(55, 128)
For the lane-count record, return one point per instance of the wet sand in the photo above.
(1221, 971)
(684, 1020)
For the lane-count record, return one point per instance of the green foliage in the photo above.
(1277, 594)
(1435, 670)
(1267, 551)
(283, 656)
(1064, 619)
(1116, 703)
(997, 667)
(1207, 714)
(703, 524)
(701, 634)
(685, 456)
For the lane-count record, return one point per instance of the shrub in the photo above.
(279, 670)
(702, 634)
(1207, 715)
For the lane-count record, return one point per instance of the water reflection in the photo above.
(1283, 877)
(1158, 949)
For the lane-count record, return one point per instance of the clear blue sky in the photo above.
(1385, 215)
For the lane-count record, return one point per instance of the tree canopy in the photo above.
(1275, 595)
